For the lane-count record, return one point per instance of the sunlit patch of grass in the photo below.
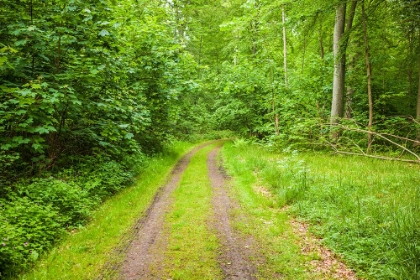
(259, 216)
(85, 253)
(192, 244)
(366, 210)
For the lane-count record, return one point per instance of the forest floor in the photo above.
(197, 229)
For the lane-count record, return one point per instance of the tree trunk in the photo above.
(337, 105)
(418, 99)
(350, 89)
(273, 96)
(321, 42)
(369, 77)
(284, 47)
(418, 104)
(340, 45)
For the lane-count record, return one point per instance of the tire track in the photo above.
(235, 252)
(142, 252)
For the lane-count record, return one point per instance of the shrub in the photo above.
(26, 229)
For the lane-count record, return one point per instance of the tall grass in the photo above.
(366, 210)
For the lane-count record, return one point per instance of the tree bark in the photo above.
(340, 45)
(369, 77)
(418, 94)
(276, 116)
(337, 105)
(350, 89)
(418, 102)
(284, 47)
(321, 42)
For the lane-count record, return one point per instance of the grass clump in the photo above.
(259, 216)
(366, 210)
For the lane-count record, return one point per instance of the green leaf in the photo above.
(36, 86)
(103, 33)
(3, 59)
(37, 147)
(6, 147)
(129, 136)
(44, 129)
(34, 255)
(21, 43)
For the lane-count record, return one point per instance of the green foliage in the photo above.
(87, 88)
(85, 78)
(28, 228)
(39, 212)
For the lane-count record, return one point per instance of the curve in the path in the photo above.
(234, 258)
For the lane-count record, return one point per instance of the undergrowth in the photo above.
(37, 213)
(366, 210)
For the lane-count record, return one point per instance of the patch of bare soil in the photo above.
(148, 248)
(329, 266)
(235, 253)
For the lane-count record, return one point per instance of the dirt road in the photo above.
(148, 248)
(237, 255)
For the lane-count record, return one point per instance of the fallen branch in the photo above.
(384, 136)
(378, 157)
(381, 135)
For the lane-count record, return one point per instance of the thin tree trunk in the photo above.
(284, 47)
(369, 77)
(273, 96)
(418, 101)
(31, 11)
(418, 91)
(321, 42)
(199, 56)
(350, 92)
(337, 104)
(303, 52)
(58, 61)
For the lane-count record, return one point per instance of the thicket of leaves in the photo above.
(81, 77)
(87, 89)
(243, 67)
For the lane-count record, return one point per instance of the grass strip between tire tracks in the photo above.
(192, 244)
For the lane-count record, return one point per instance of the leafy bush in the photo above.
(27, 228)
(35, 214)
(69, 199)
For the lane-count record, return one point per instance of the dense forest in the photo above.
(90, 89)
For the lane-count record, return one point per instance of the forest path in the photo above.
(142, 251)
(147, 255)
(198, 227)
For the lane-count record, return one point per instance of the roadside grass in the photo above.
(90, 250)
(365, 210)
(192, 243)
(259, 216)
